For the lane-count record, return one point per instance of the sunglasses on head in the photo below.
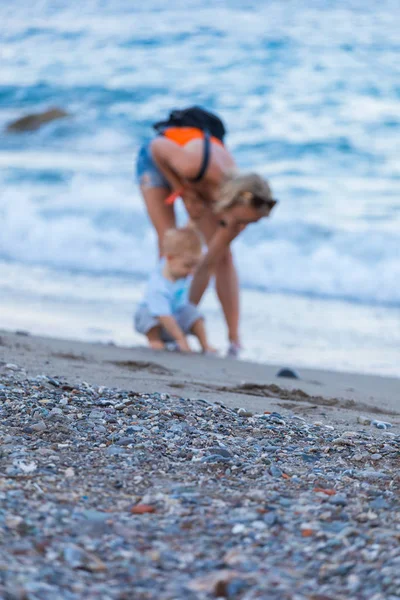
(258, 202)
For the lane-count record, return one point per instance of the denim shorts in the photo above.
(186, 318)
(147, 171)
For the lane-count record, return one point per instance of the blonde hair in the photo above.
(177, 242)
(248, 189)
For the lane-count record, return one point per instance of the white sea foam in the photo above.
(310, 100)
(80, 230)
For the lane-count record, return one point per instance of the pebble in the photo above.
(12, 367)
(379, 503)
(382, 424)
(40, 426)
(239, 528)
(243, 412)
(343, 441)
(221, 451)
(275, 471)
(107, 490)
(364, 420)
(373, 475)
(338, 500)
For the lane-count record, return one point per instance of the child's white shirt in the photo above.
(164, 297)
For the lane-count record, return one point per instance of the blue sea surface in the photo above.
(310, 93)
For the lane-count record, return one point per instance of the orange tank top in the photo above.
(183, 135)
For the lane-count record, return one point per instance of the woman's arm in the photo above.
(216, 248)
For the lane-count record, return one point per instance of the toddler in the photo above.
(165, 314)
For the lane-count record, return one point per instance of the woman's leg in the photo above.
(161, 215)
(227, 286)
(226, 279)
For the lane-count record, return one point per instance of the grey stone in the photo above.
(125, 441)
(243, 412)
(364, 420)
(39, 426)
(372, 474)
(115, 450)
(338, 500)
(275, 471)
(376, 456)
(215, 458)
(379, 503)
(220, 451)
(381, 424)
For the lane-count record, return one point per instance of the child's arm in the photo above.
(172, 327)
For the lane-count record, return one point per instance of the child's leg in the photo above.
(149, 326)
(154, 338)
(199, 330)
(191, 321)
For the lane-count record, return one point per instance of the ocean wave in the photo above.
(79, 231)
(310, 99)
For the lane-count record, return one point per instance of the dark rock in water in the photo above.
(34, 121)
(289, 373)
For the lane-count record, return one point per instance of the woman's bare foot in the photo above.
(234, 350)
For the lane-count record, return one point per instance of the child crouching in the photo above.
(165, 314)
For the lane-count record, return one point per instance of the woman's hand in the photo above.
(216, 248)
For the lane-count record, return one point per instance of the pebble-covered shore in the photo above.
(110, 494)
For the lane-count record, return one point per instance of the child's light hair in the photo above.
(180, 241)
(248, 189)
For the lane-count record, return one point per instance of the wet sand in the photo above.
(327, 396)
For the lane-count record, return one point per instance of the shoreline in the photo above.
(276, 329)
(329, 397)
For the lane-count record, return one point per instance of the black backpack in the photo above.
(194, 117)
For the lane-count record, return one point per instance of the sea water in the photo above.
(310, 96)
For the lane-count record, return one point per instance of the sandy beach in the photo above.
(329, 396)
(133, 474)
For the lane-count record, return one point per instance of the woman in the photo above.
(195, 165)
